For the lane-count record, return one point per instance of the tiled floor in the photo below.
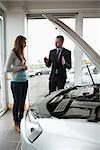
(9, 138)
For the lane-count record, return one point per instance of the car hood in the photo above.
(93, 56)
(72, 134)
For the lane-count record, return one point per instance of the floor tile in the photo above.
(9, 137)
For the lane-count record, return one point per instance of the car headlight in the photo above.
(33, 128)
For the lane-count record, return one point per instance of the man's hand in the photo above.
(45, 59)
(63, 60)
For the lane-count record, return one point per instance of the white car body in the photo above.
(64, 135)
(58, 133)
(67, 119)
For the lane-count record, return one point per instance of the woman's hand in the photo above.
(25, 67)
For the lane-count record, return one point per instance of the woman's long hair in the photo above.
(19, 44)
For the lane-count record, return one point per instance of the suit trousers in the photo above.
(56, 84)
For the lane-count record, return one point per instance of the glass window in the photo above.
(41, 35)
(91, 34)
(2, 84)
(41, 39)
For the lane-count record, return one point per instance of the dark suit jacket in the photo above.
(56, 64)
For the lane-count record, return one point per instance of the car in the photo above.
(36, 72)
(86, 79)
(92, 69)
(31, 73)
(66, 119)
(42, 71)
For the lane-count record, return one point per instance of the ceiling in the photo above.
(44, 0)
(31, 5)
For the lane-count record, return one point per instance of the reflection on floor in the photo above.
(9, 138)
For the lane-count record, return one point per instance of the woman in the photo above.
(16, 63)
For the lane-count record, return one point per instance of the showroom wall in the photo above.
(15, 25)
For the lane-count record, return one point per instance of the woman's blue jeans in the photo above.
(19, 91)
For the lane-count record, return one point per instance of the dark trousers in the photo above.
(19, 91)
(56, 84)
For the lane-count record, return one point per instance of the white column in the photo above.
(15, 26)
(78, 52)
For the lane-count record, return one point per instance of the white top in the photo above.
(14, 65)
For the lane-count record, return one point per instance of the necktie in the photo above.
(58, 51)
(58, 54)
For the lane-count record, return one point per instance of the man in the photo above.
(59, 59)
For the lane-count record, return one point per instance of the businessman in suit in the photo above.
(59, 59)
